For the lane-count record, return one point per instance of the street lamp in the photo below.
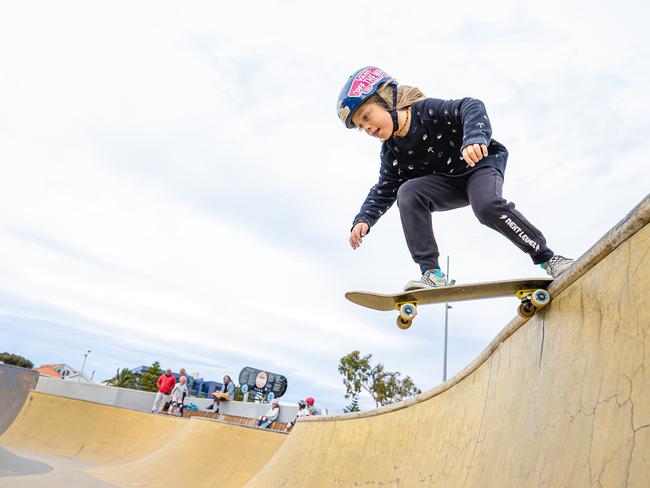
(447, 307)
(444, 360)
(84, 363)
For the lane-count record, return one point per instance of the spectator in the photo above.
(182, 373)
(188, 383)
(302, 412)
(271, 416)
(310, 406)
(165, 385)
(178, 396)
(227, 392)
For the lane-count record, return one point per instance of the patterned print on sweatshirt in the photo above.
(439, 130)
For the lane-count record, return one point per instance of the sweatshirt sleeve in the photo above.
(466, 113)
(380, 198)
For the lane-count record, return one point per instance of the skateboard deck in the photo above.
(530, 291)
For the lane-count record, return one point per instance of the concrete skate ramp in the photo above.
(15, 385)
(118, 445)
(558, 400)
(562, 399)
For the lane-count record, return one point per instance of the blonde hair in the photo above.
(406, 95)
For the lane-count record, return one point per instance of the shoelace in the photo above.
(425, 278)
(428, 280)
(555, 260)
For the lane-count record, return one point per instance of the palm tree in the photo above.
(123, 379)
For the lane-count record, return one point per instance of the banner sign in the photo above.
(263, 384)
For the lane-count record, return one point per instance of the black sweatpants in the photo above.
(419, 197)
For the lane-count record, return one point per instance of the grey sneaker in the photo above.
(430, 279)
(557, 265)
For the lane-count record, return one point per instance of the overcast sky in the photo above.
(176, 185)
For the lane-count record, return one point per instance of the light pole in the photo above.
(84, 363)
(444, 365)
(447, 307)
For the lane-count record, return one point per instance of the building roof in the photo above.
(47, 370)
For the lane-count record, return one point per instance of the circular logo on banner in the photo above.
(270, 396)
(244, 388)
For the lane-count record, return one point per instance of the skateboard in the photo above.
(531, 293)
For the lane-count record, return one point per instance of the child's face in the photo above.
(374, 120)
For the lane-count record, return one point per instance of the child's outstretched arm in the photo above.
(380, 198)
(359, 231)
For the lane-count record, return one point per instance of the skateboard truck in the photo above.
(531, 300)
(407, 312)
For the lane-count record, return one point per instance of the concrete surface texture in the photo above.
(557, 400)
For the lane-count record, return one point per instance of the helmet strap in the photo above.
(391, 110)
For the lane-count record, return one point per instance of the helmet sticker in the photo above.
(344, 111)
(364, 82)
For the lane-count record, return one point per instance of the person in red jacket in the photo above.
(165, 384)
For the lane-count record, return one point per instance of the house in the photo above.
(63, 372)
(47, 370)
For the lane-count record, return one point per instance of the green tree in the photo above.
(149, 380)
(123, 378)
(354, 406)
(385, 387)
(16, 360)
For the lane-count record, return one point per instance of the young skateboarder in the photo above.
(436, 155)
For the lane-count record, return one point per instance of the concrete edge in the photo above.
(36, 392)
(207, 419)
(632, 223)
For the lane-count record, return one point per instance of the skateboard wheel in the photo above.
(407, 311)
(403, 324)
(526, 309)
(540, 298)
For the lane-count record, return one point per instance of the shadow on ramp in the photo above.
(15, 385)
(14, 465)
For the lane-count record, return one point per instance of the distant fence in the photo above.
(233, 419)
(143, 400)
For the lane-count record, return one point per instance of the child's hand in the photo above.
(359, 231)
(473, 153)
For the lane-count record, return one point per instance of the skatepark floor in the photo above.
(28, 469)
